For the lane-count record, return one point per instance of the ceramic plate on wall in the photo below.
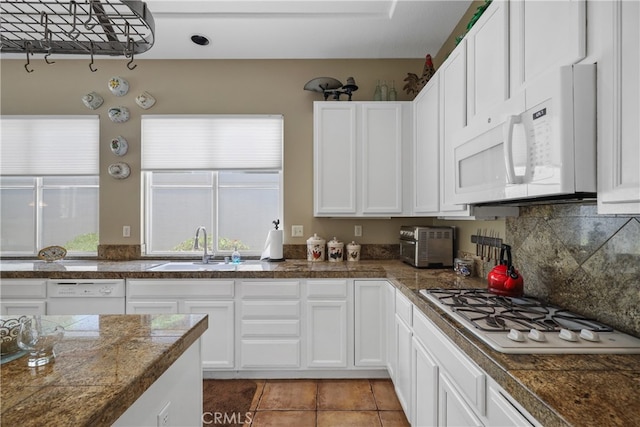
(119, 170)
(119, 114)
(119, 146)
(118, 86)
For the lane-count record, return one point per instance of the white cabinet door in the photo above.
(390, 320)
(453, 411)
(358, 157)
(18, 307)
(152, 307)
(619, 110)
(426, 154)
(501, 412)
(218, 341)
(453, 117)
(403, 369)
(327, 334)
(370, 323)
(424, 395)
(488, 60)
(334, 158)
(544, 35)
(381, 142)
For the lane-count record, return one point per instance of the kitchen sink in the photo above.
(212, 266)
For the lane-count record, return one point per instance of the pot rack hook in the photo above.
(129, 66)
(27, 48)
(73, 11)
(46, 41)
(129, 48)
(91, 63)
(87, 24)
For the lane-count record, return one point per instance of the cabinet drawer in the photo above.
(404, 307)
(270, 309)
(322, 289)
(270, 290)
(23, 288)
(258, 328)
(179, 288)
(270, 354)
(468, 378)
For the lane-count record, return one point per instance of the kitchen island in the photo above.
(556, 389)
(105, 370)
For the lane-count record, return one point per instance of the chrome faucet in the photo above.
(205, 256)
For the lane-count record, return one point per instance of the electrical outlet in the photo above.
(163, 416)
(126, 231)
(357, 231)
(297, 231)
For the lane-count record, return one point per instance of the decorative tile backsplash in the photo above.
(588, 263)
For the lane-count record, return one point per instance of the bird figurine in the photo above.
(415, 83)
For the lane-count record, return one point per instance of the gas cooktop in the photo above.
(527, 325)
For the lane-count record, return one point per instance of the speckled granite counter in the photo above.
(103, 364)
(558, 390)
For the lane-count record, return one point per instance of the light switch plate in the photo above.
(297, 231)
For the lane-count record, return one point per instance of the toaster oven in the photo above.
(427, 247)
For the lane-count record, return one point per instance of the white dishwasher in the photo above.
(91, 296)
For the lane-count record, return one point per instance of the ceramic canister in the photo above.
(315, 248)
(336, 250)
(353, 251)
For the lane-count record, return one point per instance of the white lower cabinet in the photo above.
(403, 335)
(453, 410)
(449, 389)
(23, 296)
(424, 396)
(370, 328)
(270, 314)
(190, 296)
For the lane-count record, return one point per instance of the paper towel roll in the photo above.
(273, 246)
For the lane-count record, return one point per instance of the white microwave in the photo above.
(539, 143)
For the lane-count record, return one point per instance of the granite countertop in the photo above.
(103, 364)
(558, 390)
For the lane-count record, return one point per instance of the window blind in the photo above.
(49, 145)
(240, 142)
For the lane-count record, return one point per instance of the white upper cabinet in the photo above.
(426, 151)
(453, 117)
(544, 35)
(488, 60)
(358, 157)
(334, 158)
(616, 40)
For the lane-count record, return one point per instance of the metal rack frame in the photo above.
(85, 27)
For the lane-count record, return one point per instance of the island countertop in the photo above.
(103, 364)
(557, 389)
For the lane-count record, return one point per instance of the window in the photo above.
(218, 171)
(49, 184)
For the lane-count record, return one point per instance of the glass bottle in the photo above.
(393, 95)
(384, 91)
(377, 94)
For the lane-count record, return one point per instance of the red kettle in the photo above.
(504, 279)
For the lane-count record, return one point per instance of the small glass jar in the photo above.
(463, 266)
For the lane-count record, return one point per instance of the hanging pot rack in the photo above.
(76, 27)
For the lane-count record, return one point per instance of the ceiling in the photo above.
(302, 29)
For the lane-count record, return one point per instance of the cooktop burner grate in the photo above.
(491, 312)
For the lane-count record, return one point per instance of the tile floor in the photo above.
(327, 403)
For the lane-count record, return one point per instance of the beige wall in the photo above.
(204, 87)
(460, 29)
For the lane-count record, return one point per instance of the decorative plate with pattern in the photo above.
(52, 253)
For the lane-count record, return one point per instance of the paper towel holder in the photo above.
(273, 251)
